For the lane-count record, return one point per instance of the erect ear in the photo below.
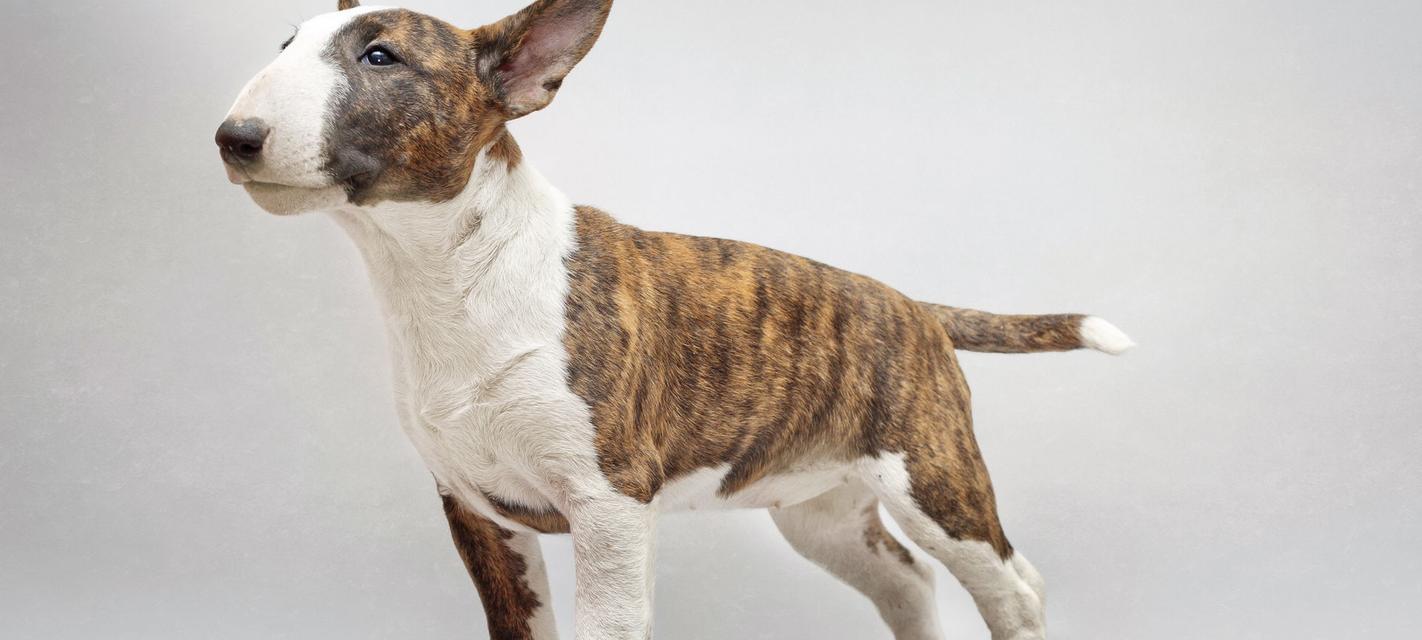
(347, 4)
(525, 56)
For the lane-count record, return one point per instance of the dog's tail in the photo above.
(973, 330)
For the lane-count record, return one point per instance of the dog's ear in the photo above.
(525, 56)
(347, 4)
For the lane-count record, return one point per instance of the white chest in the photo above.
(473, 293)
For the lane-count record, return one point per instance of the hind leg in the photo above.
(949, 511)
(841, 532)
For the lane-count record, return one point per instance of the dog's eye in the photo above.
(379, 57)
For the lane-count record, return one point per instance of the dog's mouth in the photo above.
(238, 175)
(278, 187)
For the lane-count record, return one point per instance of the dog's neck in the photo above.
(469, 277)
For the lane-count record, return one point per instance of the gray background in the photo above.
(197, 437)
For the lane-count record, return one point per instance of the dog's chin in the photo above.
(286, 200)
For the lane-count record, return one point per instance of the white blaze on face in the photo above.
(292, 96)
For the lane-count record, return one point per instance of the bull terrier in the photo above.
(561, 372)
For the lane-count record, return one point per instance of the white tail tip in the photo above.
(1104, 336)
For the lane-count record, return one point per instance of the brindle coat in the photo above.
(696, 352)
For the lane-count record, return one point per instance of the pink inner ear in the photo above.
(548, 52)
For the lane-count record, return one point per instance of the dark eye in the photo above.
(379, 57)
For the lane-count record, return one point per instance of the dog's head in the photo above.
(369, 104)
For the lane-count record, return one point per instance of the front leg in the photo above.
(612, 549)
(507, 568)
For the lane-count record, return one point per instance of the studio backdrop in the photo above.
(198, 440)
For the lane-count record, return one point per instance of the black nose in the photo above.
(242, 139)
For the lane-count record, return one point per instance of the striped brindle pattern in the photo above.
(698, 352)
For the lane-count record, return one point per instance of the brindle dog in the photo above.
(561, 372)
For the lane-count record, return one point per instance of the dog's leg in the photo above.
(612, 551)
(507, 569)
(841, 532)
(1007, 590)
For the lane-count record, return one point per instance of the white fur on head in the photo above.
(292, 96)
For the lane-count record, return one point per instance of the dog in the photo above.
(560, 372)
